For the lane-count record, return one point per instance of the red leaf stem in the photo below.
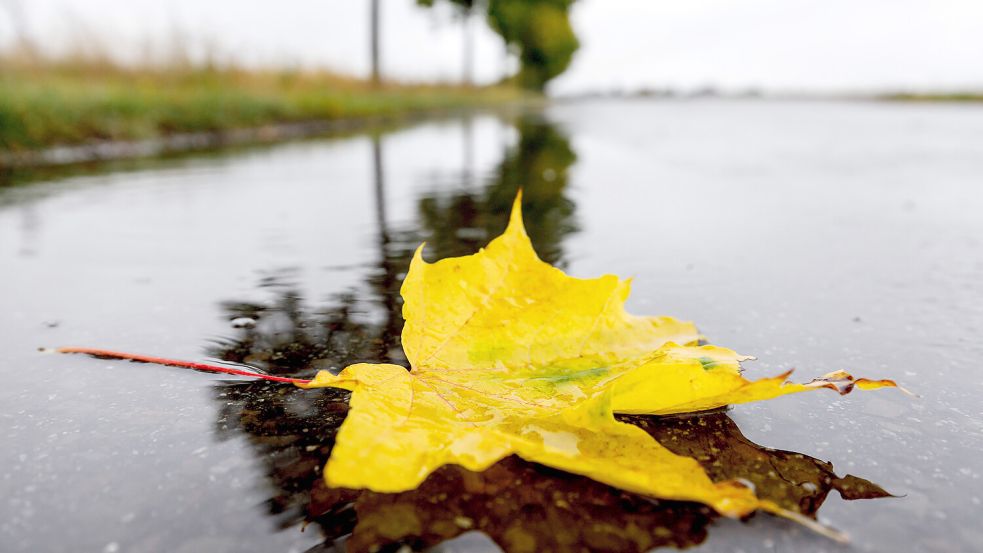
(108, 354)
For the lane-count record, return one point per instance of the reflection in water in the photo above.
(461, 221)
(520, 505)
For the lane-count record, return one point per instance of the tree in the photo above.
(538, 31)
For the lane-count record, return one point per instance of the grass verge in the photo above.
(48, 104)
(940, 97)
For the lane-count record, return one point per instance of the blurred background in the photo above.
(877, 46)
(246, 182)
(82, 70)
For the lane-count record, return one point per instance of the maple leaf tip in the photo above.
(515, 218)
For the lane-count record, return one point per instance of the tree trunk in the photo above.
(467, 74)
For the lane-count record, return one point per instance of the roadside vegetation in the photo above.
(938, 97)
(46, 102)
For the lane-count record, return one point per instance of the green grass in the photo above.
(46, 104)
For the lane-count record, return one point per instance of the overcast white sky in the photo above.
(774, 44)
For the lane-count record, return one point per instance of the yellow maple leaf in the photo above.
(509, 355)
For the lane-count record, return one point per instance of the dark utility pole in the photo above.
(374, 39)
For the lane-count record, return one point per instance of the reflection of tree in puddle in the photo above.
(461, 221)
(520, 505)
